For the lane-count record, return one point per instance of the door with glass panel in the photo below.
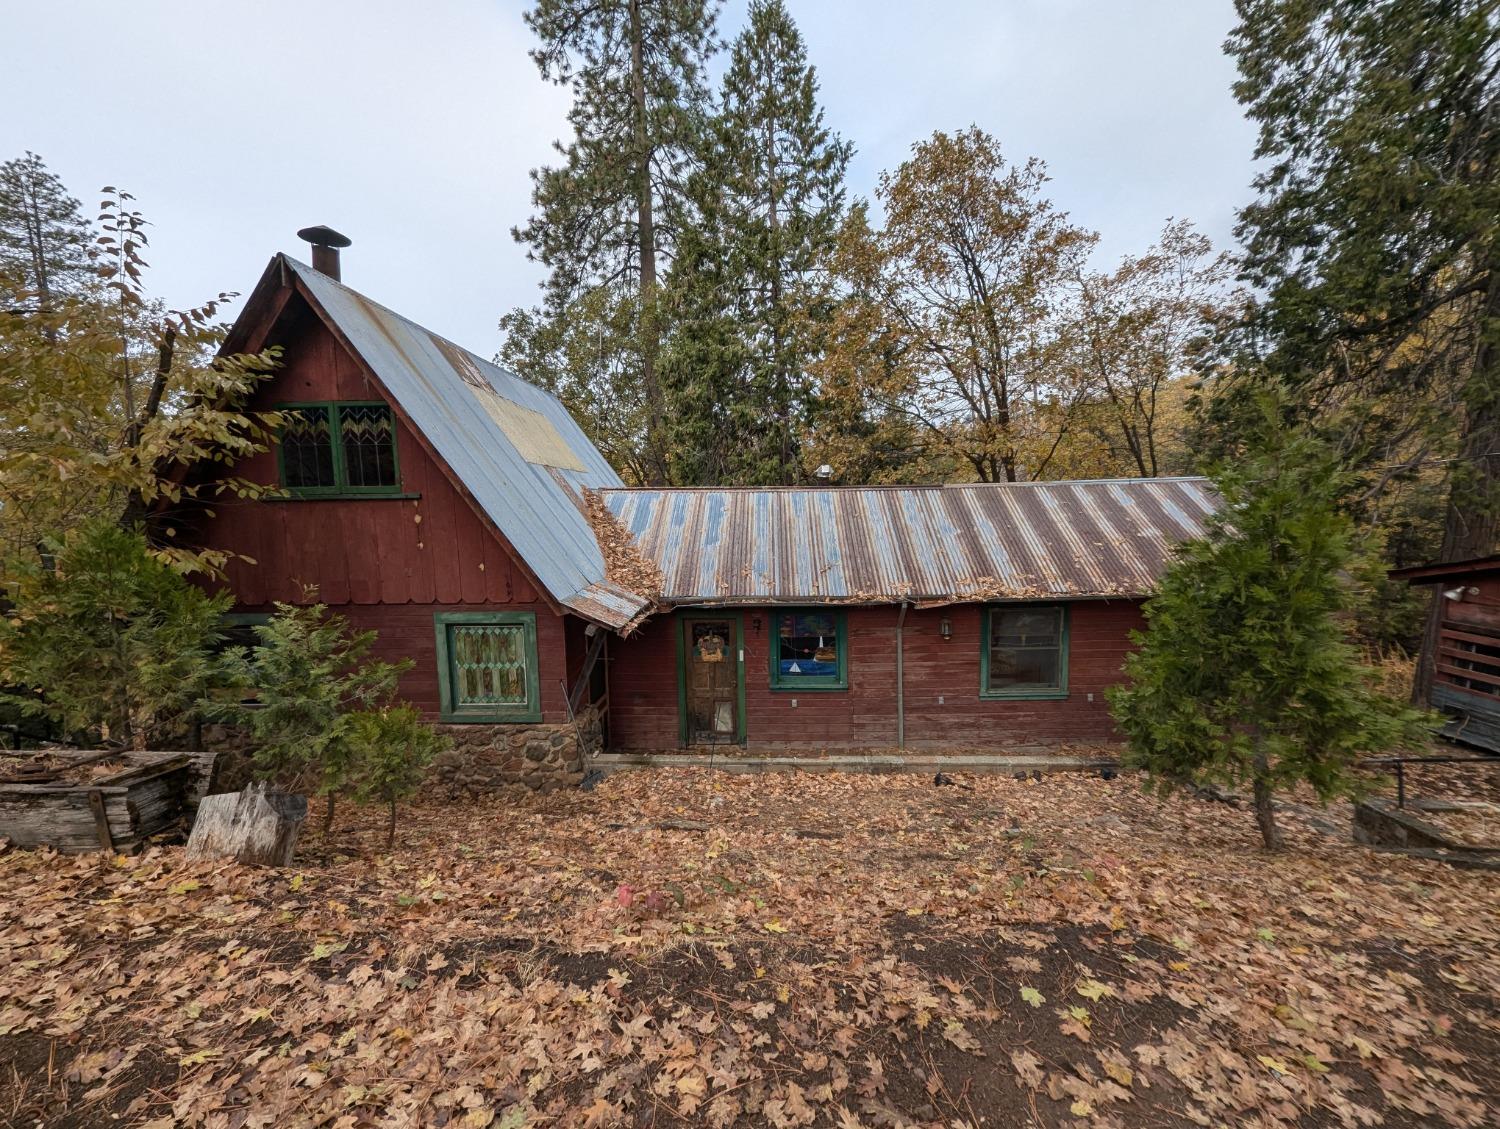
(712, 681)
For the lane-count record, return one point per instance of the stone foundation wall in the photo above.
(543, 757)
(484, 758)
(230, 747)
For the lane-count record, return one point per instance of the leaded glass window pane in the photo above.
(1026, 648)
(489, 664)
(368, 434)
(307, 448)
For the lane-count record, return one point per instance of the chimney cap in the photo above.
(323, 236)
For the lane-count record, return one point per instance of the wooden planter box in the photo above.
(93, 801)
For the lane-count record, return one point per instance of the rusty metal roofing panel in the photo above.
(530, 490)
(609, 604)
(1025, 540)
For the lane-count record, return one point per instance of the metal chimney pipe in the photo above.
(325, 248)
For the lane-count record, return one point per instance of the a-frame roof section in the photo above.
(512, 446)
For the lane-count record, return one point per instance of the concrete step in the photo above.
(984, 763)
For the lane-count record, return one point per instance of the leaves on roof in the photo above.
(624, 563)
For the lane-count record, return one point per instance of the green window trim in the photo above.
(811, 683)
(299, 496)
(1023, 693)
(340, 487)
(452, 710)
(246, 619)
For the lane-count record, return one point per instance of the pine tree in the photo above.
(312, 674)
(607, 217)
(391, 748)
(103, 638)
(715, 430)
(45, 243)
(750, 288)
(1247, 675)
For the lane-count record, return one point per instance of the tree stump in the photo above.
(252, 826)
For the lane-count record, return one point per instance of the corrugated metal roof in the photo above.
(462, 404)
(936, 544)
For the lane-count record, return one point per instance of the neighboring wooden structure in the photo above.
(1459, 670)
(96, 801)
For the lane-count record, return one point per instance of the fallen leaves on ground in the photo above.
(826, 950)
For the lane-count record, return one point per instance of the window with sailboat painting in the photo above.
(809, 651)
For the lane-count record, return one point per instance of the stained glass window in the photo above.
(368, 434)
(1027, 651)
(808, 651)
(488, 666)
(338, 448)
(307, 448)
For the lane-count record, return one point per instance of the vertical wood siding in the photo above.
(643, 686)
(389, 565)
(432, 549)
(407, 631)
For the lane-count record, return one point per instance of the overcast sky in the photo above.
(411, 126)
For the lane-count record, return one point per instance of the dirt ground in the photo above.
(682, 947)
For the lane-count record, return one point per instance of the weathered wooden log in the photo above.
(253, 826)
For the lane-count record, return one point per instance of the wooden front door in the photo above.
(713, 667)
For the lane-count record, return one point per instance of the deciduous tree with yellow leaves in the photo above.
(109, 397)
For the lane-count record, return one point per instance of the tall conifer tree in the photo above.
(1376, 234)
(749, 289)
(1247, 675)
(608, 216)
(45, 243)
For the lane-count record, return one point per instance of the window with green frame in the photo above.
(487, 666)
(338, 448)
(239, 628)
(809, 651)
(1025, 651)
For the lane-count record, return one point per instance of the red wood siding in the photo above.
(943, 706)
(643, 712)
(408, 631)
(432, 549)
(1468, 640)
(387, 564)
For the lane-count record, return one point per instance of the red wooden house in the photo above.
(444, 502)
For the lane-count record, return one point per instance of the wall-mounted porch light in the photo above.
(945, 628)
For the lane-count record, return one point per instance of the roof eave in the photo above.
(1434, 573)
(921, 602)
